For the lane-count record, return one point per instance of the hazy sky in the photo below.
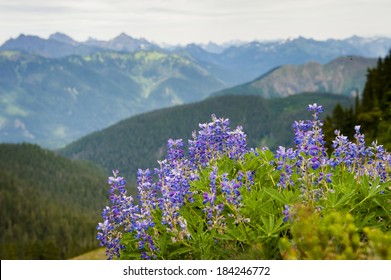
(185, 21)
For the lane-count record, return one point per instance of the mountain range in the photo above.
(56, 90)
(233, 62)
(51, 89)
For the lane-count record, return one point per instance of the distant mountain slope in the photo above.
(249, 60)
(123, 42)
(60, 45)
(48, 48)
(138, 142)
(344, 75)
(49, 205)
(55, 101)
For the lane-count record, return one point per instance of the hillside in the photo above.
(53, 101)
(344, 75)
(49, 205)
(138, 142)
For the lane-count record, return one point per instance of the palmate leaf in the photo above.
(371, 190)
(285, 197)
(234, 233)
(276, 195)
(271, 227)
(362, 222)
(337, 199)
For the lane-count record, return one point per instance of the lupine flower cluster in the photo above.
(230, 192)
(122, 211)
(215, 219)
(307, 166)
(310, 160)
(359, 158)
(309, 155)
(172, 190)
(147, 196)
(215, 139)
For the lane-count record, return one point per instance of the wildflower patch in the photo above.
(223, 200)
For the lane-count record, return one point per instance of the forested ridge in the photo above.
(49, 205)
(372, 111)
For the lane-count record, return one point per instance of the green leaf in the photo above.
(336, 199)
(272, 227)
(276, 195)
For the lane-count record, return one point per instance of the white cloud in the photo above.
(195, 20)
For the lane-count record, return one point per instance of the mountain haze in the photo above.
(53, 101)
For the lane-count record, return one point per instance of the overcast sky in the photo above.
(185, 21)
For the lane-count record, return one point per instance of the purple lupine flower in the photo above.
(175, 150)
(212, 178)
(147, 190)
(121, 216)
(310, 146)
(249, 178)
(208, 198)
(174, 184)
(284, 158)
(236, 143)
(213, 210)
(230, 189)
(359, 158)
(315, 163)
(316, 109)
(378, 165)
(286, 213)
(214, 140)
(147, 194)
